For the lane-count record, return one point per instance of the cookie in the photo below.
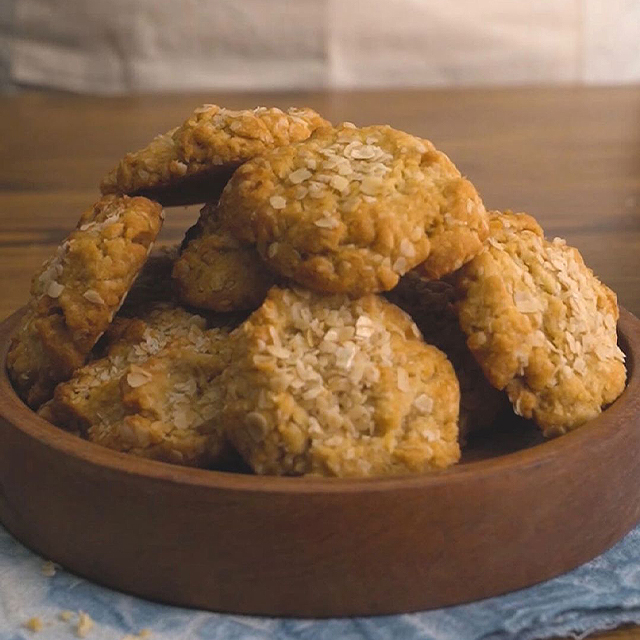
(541, 325)
(127, 341)
(431, 305)
(215, 271)
(77, 292)
(192, 162)
(165, 403)
(151, 391)
(333, 386)
(351, 210)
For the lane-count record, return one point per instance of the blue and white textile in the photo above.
(601, 594)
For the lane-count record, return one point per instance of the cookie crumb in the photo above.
(65, 616)
(34, 624)
(48, 569)
(85, 624)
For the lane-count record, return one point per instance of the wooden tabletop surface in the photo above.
(570, 157)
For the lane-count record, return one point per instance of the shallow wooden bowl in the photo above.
(515, 512)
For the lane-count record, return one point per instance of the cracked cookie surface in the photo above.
(541, 325)
(332, 386)
(199, 156)
(152, 391)
(77, 292)
(351, 210)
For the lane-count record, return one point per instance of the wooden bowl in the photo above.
(516, 511)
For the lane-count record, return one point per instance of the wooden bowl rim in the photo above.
(21, 417)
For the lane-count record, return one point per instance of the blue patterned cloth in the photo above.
(599, 595)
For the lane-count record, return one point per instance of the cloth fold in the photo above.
(601, 594)
(158, 45)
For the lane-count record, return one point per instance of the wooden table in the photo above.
(570, 157)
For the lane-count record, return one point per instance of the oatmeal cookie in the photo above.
(351, 210)
(333, 386)
(77, 292)
(541, 325)
(165, 403)
(215, 271)
(431, 304)
(75, 404)
(152, 390)
(192, 162)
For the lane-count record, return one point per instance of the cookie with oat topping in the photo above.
(431, 304)
(215, 271)
(351, 210)
(333, 386)
(78, 402)
(77, 292)
(541, 325)
(168, 408)
(152, 390)
(192, 163)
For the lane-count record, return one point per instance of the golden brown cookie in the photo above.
(333, 386)
(351, 210)
(165, 402)
(152, 391)
(74, 405)
(192, 162)
(431, 304)
(215, 271)
(77, 292)
(541, 325)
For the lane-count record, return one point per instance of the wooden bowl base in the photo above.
(516, 511)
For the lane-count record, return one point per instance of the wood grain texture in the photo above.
(570, 157)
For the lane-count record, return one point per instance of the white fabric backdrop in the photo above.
(144, 45)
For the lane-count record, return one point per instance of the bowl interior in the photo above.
(505, 443)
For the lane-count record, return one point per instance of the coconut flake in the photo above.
(423, 403)
(326, 222)
(93, 296)
(137, 377)
(339, 183)
(54, 289)
(298, 176)
(277, 202)
(403, 380)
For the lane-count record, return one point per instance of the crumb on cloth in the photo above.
(84, 625)
(34, 624)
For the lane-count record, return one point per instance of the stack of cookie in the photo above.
(344, 306)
